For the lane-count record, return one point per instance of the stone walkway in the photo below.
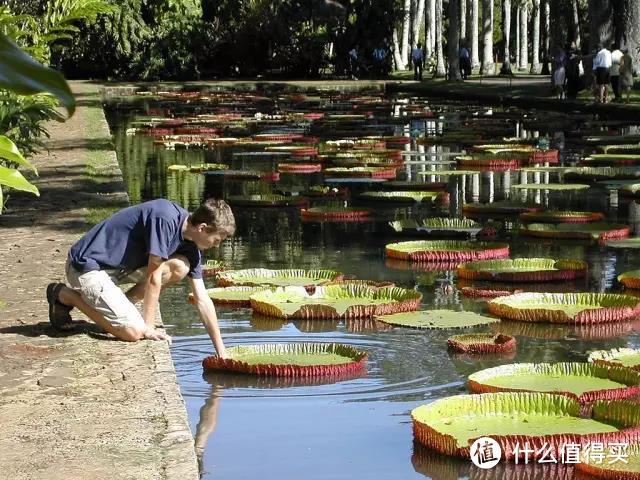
(77, 406)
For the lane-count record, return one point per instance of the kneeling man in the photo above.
(153, 245)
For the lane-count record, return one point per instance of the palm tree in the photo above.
(417, 20)
(546, 36)
(440, 70)
(506, 35)
(518, 14)
(453, 41)
(536, 67)
(463, 19)
(524, 35)
(472, 35)
(575, 25)
(406, 22)
(488, 67)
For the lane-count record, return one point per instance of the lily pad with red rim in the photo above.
(446, 250)
(437, 319)
(561, 217)
(290, 360)
(283, 277)
(618, 357)
(481, 343)
(589, 231)
(335, 302)
(523, 270)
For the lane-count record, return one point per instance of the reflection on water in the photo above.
(250, 427)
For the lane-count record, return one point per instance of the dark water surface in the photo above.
(251, 428)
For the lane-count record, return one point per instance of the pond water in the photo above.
(249, 427)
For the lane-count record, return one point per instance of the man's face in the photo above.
(205, 239)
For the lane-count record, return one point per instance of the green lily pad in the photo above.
(544, 169)
(268, 200)
(335, 301)
(367, 172)
(632, 148)
(593, 174)
(561, 217)
(573, 379)
(406, 185)
(437, 319)
(335, 213)
(630, 279)
(178, 168)
(581, 308)
(502, 208)
(450, 425)
(290, 360)
(286, 277)
(593, 231)
(402, 197)
(446, 250)
(623, 243)
(523, 270)
(207, 167)
(550, 186)
(608, 159)
(238, 296)
(449, 173)
(618, 357)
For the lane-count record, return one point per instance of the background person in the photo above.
(601, 71)
(626, 73)
(417, 57)
(614, 73)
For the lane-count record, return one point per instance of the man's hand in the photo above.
(154, 334)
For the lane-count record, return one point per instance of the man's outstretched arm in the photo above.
(207, 313)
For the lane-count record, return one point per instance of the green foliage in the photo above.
(9, 175)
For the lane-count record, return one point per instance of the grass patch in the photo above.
(96, 215)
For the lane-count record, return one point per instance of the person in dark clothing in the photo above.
(151, 245)
(417, 57)
(574, 75)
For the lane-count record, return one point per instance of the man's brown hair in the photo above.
(216, 214)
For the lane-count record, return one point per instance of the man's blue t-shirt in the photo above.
(126, 239)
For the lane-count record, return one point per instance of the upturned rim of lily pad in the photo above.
(354, 360)
(523, 270)
(446, 250)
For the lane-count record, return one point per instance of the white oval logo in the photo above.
(485, 453)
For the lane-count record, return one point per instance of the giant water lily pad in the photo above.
(585, 382)
(632, 190)
(503, 208)
(213, 267)
(366, 172)
(580, 308)
(618, 357)
(618, 462)
(409, 196)
(550, 186)
(207, 167)
(245, 175)
(438, 226)
(446, 250)
(624, 243)
(593, 174)
(632, 148)
(437, 319)
(286, 277)
(523, 270)
(546, 422)
(449, 173)
(267, 200)
(481, 343)
(290, 360)
(609, 159)
(630, 279)
(589, 231)
(335, 301)
(407, 185)
(561, 217)
(233, 296)
(335, 214)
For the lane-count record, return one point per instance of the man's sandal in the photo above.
(58, 313)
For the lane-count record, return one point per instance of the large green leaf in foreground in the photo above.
(437, 319)
(14, 179)
(23, 75)
(10, 152)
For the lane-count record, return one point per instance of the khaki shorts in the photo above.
(99, 288)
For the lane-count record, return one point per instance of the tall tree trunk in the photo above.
(488, 66)
(440, 69)
(453, 41)
(463, 21)
(406, 25)
(475, 57)
(546, 32)
(417, 21)
(536, 67)
(630, 35)
(602, 28)
(518, 14)
(397, 57)
(506, 34)
(524, 38)
(575, 24)
(429, 32)
(432, 24)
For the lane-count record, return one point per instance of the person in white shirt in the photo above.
(616, 56)
(417, 57)
(601, 70)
